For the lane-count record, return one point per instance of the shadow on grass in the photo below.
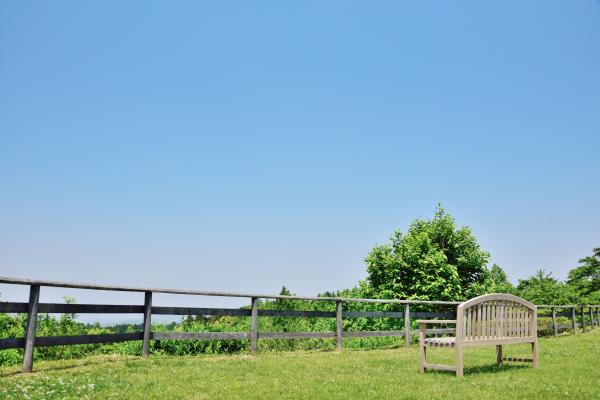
(484, 369)
(80, 363)
(494, 369)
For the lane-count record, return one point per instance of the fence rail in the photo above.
(33, 307)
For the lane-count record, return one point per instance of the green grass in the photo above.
(569, 368)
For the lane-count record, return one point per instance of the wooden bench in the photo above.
(492, 319)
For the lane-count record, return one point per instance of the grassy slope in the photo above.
(570, 367)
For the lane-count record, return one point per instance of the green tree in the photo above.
(284, 304)
(543, 288)
(498, 281)
(434, 260)
(585, 279)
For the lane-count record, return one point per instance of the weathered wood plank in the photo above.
(554, 326)
(30, 327)
(296, 313)
(440, 367)
(478, 332)
(489, 342)
(12, 343)
(43, 341)
(147, 323)
(297, 335)
(422, 348)
(200, 335)
(19, 281)
(557, 306)
(254, 326)
(373, 314)
(440, 342)
(60, 308)
(90, 308)
(467, 317)
(73, 285)
(351, 334)
(9, 307)
(407, 325)
(395, 333)
(561, 314)
(339, 327)
(499, 357)
(517, 359)
(436, 321)
(234, 312)
(437, 331)
(242, 312)
(423, 314)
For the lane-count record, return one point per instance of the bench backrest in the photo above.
(496, 316)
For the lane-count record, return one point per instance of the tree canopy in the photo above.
(434, 260)
(498, 281)
(543, 288)
(586, 278)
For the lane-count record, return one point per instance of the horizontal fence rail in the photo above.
(33, 307)
(71, 285)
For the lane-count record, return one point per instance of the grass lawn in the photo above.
(569, 368)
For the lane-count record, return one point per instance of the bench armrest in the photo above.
(436, 321)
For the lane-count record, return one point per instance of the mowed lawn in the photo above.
(569, 368)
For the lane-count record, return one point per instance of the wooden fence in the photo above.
(33, 307)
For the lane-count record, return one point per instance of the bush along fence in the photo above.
(343, 309)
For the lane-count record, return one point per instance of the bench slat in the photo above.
(440, 367)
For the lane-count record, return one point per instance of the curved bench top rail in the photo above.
(496, 297)
(72, 285)
(496, 318)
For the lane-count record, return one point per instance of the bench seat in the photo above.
(440, 342)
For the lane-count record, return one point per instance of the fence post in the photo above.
(591, 318)
(582, 320)
(598, 315)
(407, 325)
(254, 326)
(554, 327)
(147, 323)
(32, 310)
(573, 321)
(339, 306)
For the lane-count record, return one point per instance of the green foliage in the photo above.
(11, 327)
(542, 288)
(498, 281)
(585, 279)
(434, 260)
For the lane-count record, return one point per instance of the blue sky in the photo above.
(248, 145)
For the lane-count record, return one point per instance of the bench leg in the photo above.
(499, 354)
(422, 357)
(459, 361)
(534, 354)
(422, 349)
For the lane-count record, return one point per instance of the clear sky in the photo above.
(248, 145)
